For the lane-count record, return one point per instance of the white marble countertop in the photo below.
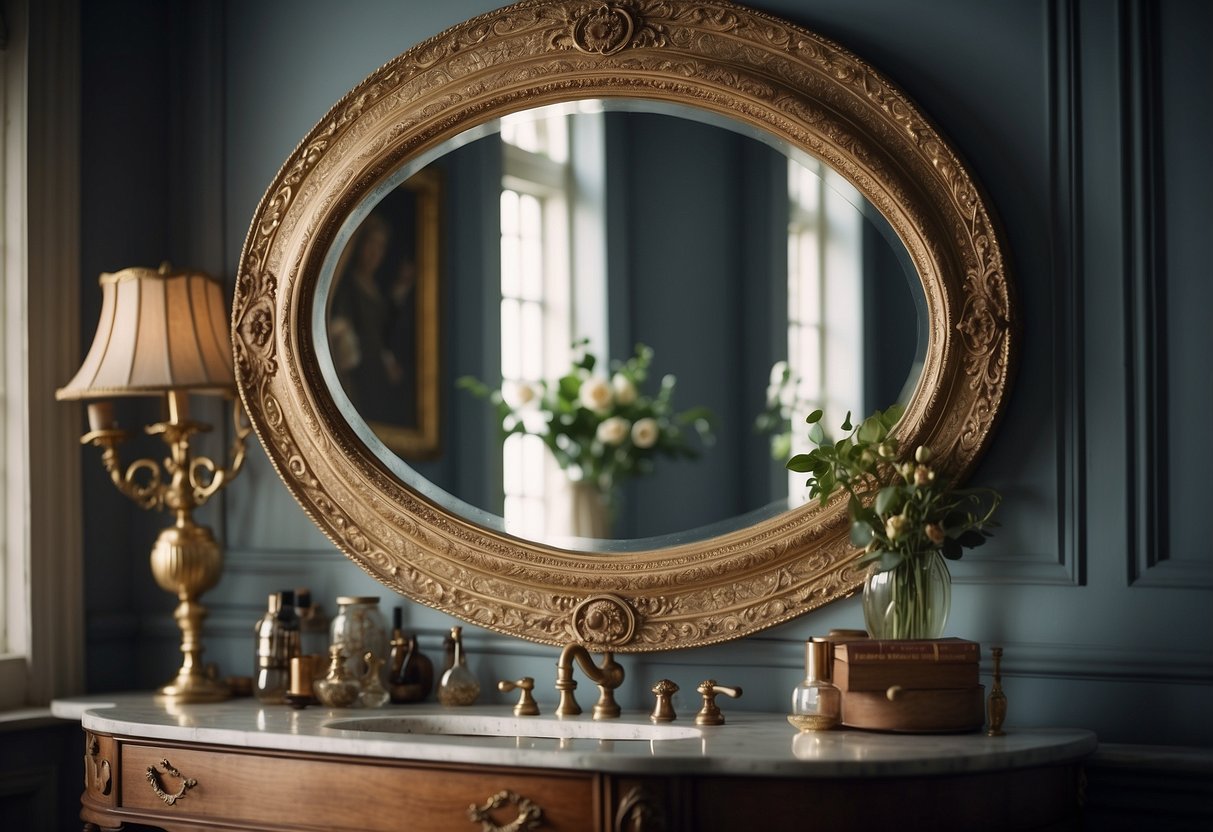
(748, 744)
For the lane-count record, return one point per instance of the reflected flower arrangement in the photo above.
(601, 427)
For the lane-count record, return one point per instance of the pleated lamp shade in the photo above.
(159, 331)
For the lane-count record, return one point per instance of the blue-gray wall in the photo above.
(1085, 120)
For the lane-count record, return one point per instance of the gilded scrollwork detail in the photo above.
(152, 775)
(766, 72)
(530, 814)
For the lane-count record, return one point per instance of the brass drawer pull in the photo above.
(529, 815)
(153, 777)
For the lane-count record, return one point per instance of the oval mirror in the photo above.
(350, 208)
(607, 213)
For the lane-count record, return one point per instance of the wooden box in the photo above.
(945, 710)
(929, 685)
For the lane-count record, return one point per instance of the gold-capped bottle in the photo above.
(458, 685)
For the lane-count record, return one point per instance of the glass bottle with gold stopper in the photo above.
(816, 702)
(338, 689)
(458, 685)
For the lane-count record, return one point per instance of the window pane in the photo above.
(511, 338)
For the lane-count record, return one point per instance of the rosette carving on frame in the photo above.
(605, 28)
(603, 621)
(769, 74)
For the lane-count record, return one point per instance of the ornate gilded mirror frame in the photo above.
(776, 77)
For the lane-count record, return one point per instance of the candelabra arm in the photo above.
(148, 494)
(218, 477)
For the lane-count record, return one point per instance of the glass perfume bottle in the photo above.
(410, 672)
(277, 644)
(313, 625)
(816, 702)
(458, 685)
(338, 689)
(374, 694)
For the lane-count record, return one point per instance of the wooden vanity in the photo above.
(240, 766)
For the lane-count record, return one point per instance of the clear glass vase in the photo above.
(909, 601)
(591, 511)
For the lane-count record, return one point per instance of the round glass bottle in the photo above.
(458, 685)
(816, 703)
(359, 627)
(338, 689)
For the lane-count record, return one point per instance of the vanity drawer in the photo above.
(336, 793)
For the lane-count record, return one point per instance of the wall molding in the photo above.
(1150, 563)
(1063, 82)
(1060, 661)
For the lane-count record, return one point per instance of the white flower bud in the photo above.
(645, 433)
(595, 394)
(896, 526)
(625, 390)
(518, 393)
(613, 431)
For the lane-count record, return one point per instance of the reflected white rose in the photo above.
(625, 390)
(778, 370)
(596, 394)
(613, 431)
(645, 433)
(518, 393)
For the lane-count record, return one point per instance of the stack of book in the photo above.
(927, 686)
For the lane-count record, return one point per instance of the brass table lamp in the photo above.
(165, 333)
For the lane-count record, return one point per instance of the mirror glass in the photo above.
(759, 282)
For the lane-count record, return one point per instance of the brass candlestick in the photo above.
(996, 702)
(186, 559)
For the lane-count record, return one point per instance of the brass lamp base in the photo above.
(194, 687)
(187, 560)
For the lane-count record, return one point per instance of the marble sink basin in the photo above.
(484, 725)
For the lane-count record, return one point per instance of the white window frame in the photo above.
(570, 186)
(826, 222)
(42, 653)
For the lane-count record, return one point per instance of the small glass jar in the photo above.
(816, 702)
(357, 628)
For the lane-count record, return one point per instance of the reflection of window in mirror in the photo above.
(825, 301)
(552, 288)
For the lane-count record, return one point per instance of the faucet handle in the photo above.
(663, 711)
(526, 702)
(709, 714)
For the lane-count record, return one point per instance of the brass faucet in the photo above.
(608, 677)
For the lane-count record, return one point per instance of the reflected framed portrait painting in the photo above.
(384, 324)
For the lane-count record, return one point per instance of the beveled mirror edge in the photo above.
(773, 74)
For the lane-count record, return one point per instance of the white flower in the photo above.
(778, 370)
(896, 526)
(613, 431)
(625, 391)
(596, 394)
(645, 432)
(518, 394)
